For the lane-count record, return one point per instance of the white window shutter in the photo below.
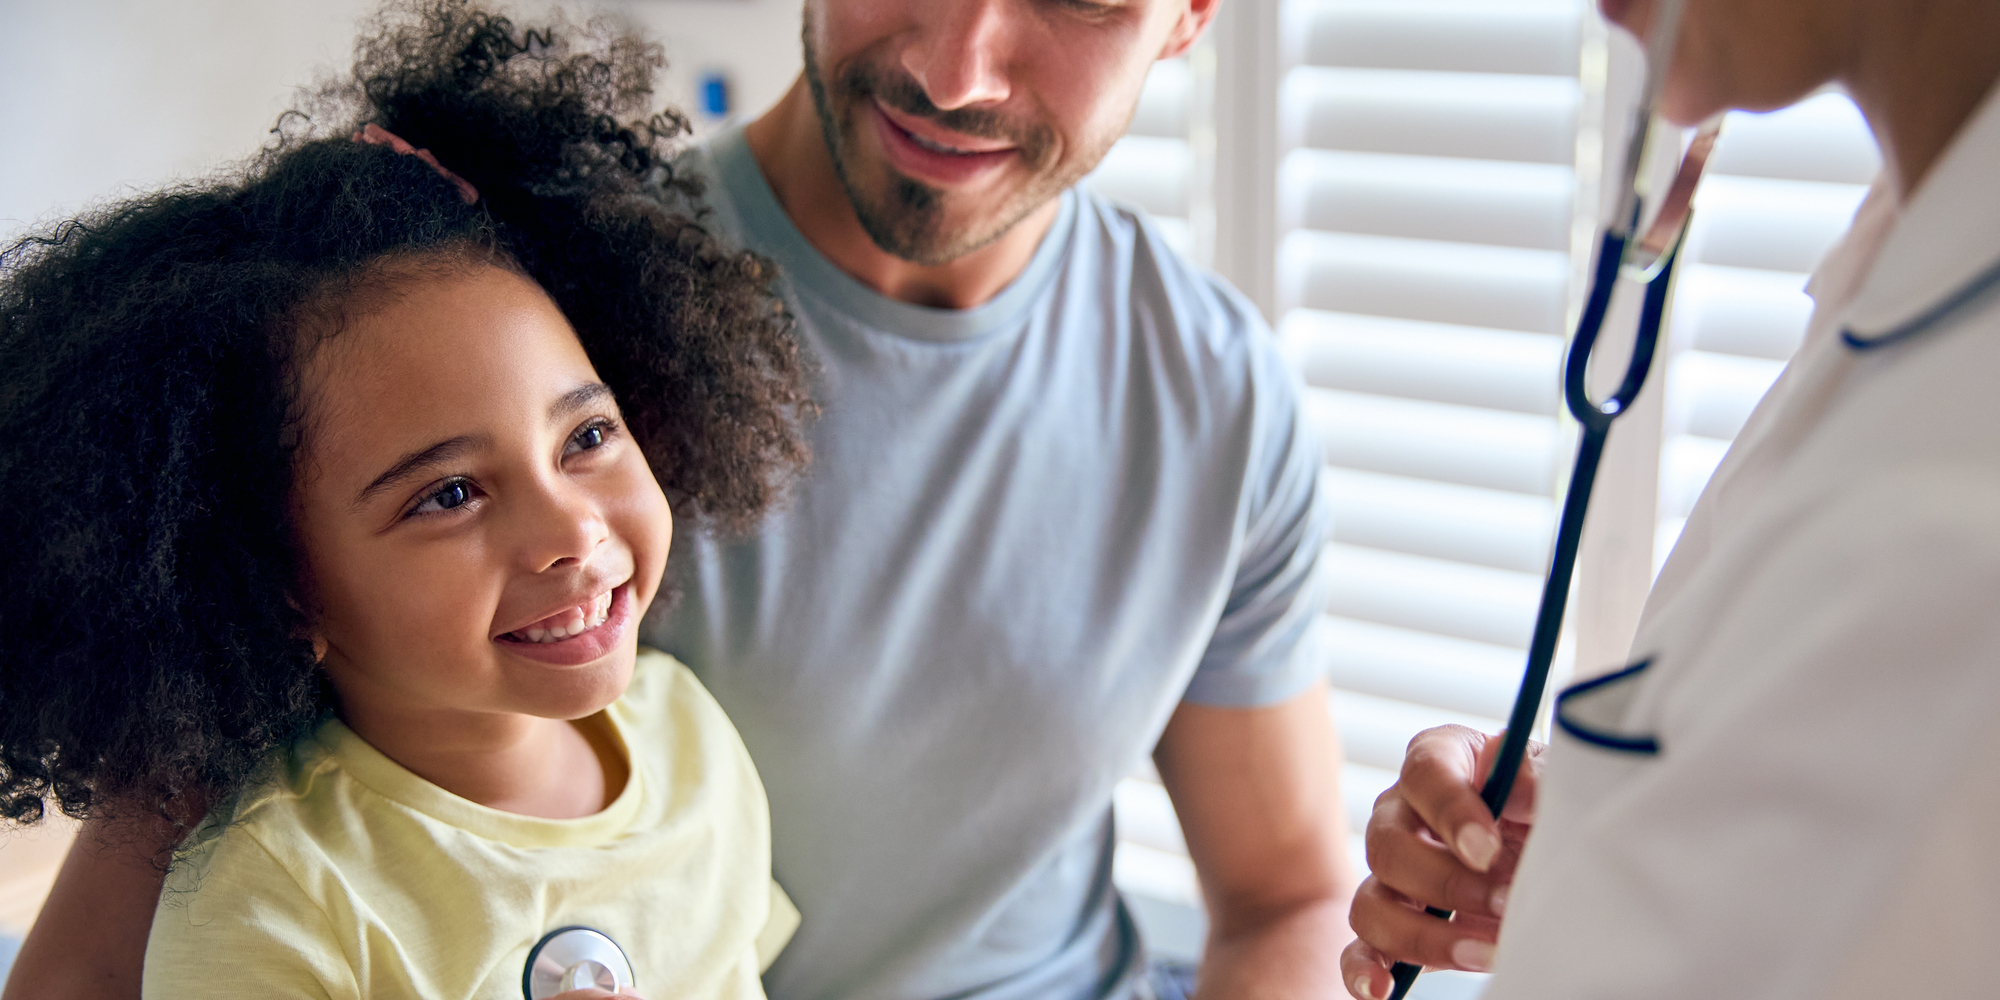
(1782, 188)
(1155, 166)
(1427, 193)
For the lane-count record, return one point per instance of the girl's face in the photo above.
(480, 533)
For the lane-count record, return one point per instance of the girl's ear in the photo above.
(319, 648)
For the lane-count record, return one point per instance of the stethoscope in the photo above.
(575, 958)
(1647, 257)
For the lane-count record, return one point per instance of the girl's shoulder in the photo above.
(666, 710)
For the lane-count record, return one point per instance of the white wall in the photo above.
(102, 95)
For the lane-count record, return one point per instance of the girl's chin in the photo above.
(576, 693)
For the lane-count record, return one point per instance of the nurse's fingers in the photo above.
(1442, 771)
(1365, 971)
(1400, 931)
(1407, 857)
(1520, 806)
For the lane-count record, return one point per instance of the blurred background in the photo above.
(1406, 188)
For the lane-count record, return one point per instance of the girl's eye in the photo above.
(452, 495)
(591, 436)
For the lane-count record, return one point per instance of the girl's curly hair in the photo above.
(155, 650)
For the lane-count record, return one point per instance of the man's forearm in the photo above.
(89, 943)
(1289, 955)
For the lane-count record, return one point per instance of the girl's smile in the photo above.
(576, 634)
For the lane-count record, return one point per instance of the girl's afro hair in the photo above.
(156, 651)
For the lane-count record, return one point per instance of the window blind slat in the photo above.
(1432, 198)
(1481, 116)
(1711, 395)
(1375, 730)
(1466, 284)
(1462, 35)
(1433, 595)
(1449, 444)
(1758, 314)
(1458, 674)
(1774, 225)
(1444, 363)
(1823, 138)
(1465, 524)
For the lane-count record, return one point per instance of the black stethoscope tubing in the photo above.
(1595, 420)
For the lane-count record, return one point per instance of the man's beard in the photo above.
(907, 219)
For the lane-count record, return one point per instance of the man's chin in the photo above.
(935, 231)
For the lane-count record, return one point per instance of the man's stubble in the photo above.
(909, 219)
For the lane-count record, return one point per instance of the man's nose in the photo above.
(960, 54)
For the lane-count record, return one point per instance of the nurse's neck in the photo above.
(1919, 71)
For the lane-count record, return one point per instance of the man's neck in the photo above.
(790, 150)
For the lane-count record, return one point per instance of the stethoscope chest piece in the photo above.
(574, 958)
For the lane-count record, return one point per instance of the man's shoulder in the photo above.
(1162, 285)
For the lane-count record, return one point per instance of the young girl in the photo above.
(327, 503)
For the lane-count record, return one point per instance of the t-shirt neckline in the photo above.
(768, 230)
(379, 773)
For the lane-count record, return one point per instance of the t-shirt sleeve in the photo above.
(779, 926)
(1260, 653)
(234, 923)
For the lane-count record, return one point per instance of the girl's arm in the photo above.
(90, 941)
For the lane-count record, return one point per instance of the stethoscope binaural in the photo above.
(1647, 257)
(574, 958)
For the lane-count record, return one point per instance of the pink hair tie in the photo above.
(376, 135)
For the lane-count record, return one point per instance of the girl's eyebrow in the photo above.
(578, 398)
(409, 465)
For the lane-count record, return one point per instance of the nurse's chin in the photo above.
(1618, 12)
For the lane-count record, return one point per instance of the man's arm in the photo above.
(1258, 793)
(89, 943)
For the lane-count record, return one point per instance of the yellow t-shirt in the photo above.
(347, 876)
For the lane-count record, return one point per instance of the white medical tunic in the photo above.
(1793, 789)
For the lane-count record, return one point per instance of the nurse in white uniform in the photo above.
(1792, 788)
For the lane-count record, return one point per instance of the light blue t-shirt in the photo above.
(1030, 530)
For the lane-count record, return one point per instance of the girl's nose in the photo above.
(561, 528)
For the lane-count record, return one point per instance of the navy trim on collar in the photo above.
(1931, 317)
(1611, 741)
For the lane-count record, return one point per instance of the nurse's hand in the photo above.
(1431, 842)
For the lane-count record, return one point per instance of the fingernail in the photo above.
(1474, 955)
(1364, 986)
(1477, 845)
(1498, 901)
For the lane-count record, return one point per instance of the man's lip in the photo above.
(930, 132)
(947, 170)
(585, 598)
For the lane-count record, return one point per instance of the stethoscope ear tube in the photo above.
(1595, 420)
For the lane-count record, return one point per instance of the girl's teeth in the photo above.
(588, 616)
